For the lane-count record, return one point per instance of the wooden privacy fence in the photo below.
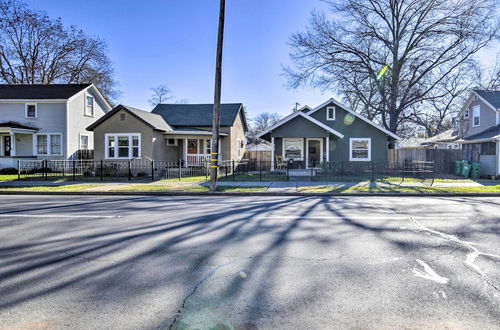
(444, 159)
(257, 156)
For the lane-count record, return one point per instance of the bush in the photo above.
(8, 171)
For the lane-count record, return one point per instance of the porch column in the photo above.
(185, 152)
(327, 149)
(498, 157)
(12, 144)
(272, 153)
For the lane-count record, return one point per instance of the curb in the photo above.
(240, 194)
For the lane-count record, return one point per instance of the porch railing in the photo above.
(197, 159)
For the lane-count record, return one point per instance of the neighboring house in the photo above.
(262, 146)
(444, 140)
(329, 132)
(480, 128)
(171, 132)
(47, 121)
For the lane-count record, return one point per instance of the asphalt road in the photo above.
(249, 262)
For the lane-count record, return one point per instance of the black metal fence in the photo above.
(242, 170)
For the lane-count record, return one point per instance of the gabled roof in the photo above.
(492, 98)
(154, 121)
(492, 133)
(40, 92)
(186, 115)
(304, 115)
(355, 114)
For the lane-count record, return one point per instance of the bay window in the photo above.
(123, 146)
(360, 149)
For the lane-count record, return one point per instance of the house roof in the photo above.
(492, 133)
(40, 92)
(154, 121)
(491, 97)
(192, 131)
(304, 115)
(446, 136)
(13, 124)
(330, 101)
(182, 115)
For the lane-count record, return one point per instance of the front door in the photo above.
(313, 152)
(7, 146)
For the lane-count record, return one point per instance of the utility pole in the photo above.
(217, 100)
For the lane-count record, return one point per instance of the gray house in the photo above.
(47, 121)
(329, 132)
(171, 132)
(479, 126)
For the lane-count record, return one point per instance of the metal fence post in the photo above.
(232, 168)
(341, 170)
(46, 168)
(152, 170)
(287, 174)
(180, 167)
(373, 175)
(102, 170)
(260, 170)
(74, 170)
(18, 169)
(129, 170)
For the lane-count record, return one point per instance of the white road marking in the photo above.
(428, 273)
(16, 215)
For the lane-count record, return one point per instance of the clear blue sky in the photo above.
(173, 42)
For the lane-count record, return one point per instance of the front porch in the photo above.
(16, 143)
(298, 153)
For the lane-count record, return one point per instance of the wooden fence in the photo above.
(257, 156)
(444, 159)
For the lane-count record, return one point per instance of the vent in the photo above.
(123, 117)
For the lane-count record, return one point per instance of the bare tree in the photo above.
(161, 94)
(262, 122)
(423, 43)
(35, 49)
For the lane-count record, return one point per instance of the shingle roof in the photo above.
(492, 97)
(42, 92)
(153, 120)
(13, 124)
(184, 115)
(487, 134)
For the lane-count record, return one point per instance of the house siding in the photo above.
(237, 132)
(77, 121)
(131, 125)
(488, 118)
(352, 127)
(488, 164)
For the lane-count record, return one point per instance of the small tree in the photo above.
(262, 122)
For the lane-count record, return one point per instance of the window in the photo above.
(466, 114)
(171, 142)
(488, 148)
(123, 146)
(48, 144)
(122, 117)
(30, 110)
(192, 145)
(89, 106)
(330, 113)
(476, 114)
(238, 148)
(293, 148)
(84, 142)
(208, 147)
(359, 149)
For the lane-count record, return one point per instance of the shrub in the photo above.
(8, 171)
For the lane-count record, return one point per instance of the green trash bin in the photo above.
(475, 170)
(458, 167)
(466, 169)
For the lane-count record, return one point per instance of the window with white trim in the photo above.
(171, 142)
(476, 116)
(293, 148)
(123, 146)
(360, 149)
(84, 141)
(238, 148)
(48, 144)
(89, 105)
(330, 113)
(30, 110)
(208, 146)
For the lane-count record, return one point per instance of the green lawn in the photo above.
(68, 188)
(189, 188)
(398, 189)
(8, 177)
(255, 177)
(191, 179)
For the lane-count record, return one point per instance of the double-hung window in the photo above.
(476, 116)
(89, 106)
(360, 149)
(84, 142)
(48, 144)
(123, 146)
(30, 110)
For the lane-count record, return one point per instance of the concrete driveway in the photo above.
(249, 262)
